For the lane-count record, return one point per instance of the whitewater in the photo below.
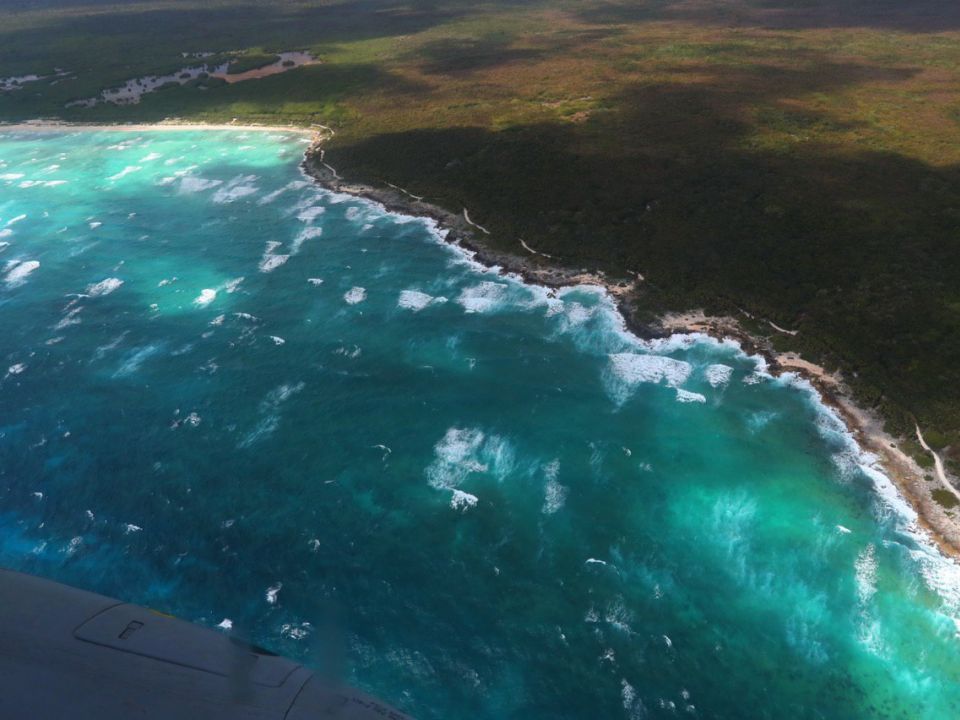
(236, 397)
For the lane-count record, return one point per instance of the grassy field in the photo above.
(795, 159)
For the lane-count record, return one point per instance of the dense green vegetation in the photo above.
(253, 60)
(945, 498)
(796, 159)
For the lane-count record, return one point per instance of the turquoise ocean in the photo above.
(236, 397)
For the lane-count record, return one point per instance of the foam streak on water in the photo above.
(236, 397)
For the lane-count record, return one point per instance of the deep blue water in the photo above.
(230, 395)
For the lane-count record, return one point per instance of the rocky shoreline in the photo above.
(941, 525)
(460, 231)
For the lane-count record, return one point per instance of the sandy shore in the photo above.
(942, 526)
(168, 125)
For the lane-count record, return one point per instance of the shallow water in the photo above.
(228, 394)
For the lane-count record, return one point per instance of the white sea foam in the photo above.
(6, 233)
(355, 295)
(685, 396)
(575, 314)
(16, 369)
(309, 233)
(627, 370)
(804, 630)
(280, 395)
(619, 616)
(756, 421)
(633, 369)
(151, 157)
(760, 373)
(416, 301)
(125, 144)
(718, 375)
(270, 410)
(460, 500)
(454, 455)
(193, 184)
(102, 350)
(73, 546)
(205, 297)
(270, 260)
(270, 197)
(315, 281)
(554, 494)
(225, 624)
(130, 528)
(135, 359)
(277, 340)
(70, 318)
(104, 287)
(272, 592)
(231, 285)
(866, 574)
(351, 352)
(627, 694)
(15, 220)
(19, 272)
(309, 214)
(129, 169)
(239, 187)
(462, 452)
(296, 632)
(483, 297)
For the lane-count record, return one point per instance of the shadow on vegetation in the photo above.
(465, 55)
(471, 54)
(311, 93)
(916, 16)
(138, 32)
(859, 247)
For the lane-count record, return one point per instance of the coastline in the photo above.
(466, 234)
(169, 125)
(864, 425)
